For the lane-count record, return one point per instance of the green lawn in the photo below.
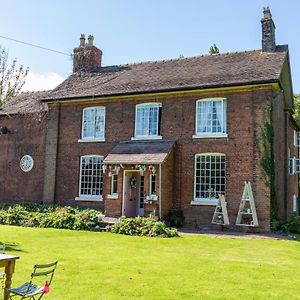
(109, 266)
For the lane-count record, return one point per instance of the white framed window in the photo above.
(93, 124)
(211, 118)
(297, 138)
(295, 204)
(152, 188)
(147, 121)
(114, 184)
(294, 165)
(91, 178)
(209, 178)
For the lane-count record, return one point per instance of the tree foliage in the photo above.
(297, 108)
(12, 77)
(214, 50)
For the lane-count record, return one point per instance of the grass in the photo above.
(109, 266)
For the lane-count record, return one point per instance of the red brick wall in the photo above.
(26, 136)
(292, 180)
(246, 115)
(245, 112)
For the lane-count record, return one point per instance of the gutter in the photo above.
(239, 85)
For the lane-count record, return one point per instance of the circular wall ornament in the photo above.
(26, 163)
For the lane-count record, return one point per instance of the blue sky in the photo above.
(137, 30)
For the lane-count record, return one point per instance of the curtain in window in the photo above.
(211, 116)
(147, 120)
(94, 122)
(88, 121)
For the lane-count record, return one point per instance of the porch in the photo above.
(138, 179)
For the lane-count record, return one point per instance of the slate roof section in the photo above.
(229, 69)
(140, 152)
(24, 103)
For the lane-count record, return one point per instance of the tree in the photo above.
(214, 50)
(12, 78)
(297, 108)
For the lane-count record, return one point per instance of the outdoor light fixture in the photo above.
(3, 130)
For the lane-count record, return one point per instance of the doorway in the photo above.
(133, 194)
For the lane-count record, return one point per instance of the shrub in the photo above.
(293, 225)
(34, 215)
(175, 218)
(143, 227)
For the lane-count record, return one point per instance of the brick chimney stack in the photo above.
(268, 32)
(86, 57)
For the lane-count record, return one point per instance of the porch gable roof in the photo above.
(140, 152)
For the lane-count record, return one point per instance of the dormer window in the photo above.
(93, 124)
(147, 121)
(211, 118)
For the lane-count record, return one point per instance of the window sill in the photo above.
(89, 198)
(91, 140)
(113, 196)
(212, 202)
(155, 137)
(210, 136)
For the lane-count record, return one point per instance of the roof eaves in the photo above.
(58, 99)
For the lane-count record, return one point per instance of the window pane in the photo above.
(93, 122)
(91, 176)
(211, 116)
(147, 118)
(210, 176)
(114, 182)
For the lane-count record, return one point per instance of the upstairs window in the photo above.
(297, 138)
(93, 123)
(211, 117)
(147, 120)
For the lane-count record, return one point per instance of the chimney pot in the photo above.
(267, 13)
(82, 40)
(91, 40)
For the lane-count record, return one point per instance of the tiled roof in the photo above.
(27, 102)
(139, 152)
(206, 71)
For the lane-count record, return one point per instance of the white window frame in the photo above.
(83, 197)
(294, 165)
(92, 138)
(223, 134)
(295, 203)
(150, 185)
(296, 138)
(205, 201)
(143, 137)
(113, 195)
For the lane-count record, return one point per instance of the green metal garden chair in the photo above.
(33, 290)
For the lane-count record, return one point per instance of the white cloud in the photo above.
(42, 82)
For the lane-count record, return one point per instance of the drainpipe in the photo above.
(160, 195)
(286, 172)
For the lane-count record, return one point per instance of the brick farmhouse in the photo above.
(155, 137)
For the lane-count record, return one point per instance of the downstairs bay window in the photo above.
(210, 178)
(91, 178)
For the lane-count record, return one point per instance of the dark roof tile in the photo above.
(206, 71)
(26, 102)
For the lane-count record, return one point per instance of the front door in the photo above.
(131, 193)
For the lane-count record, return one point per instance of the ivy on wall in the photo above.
(267, 160)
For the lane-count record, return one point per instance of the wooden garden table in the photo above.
(8, 261)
